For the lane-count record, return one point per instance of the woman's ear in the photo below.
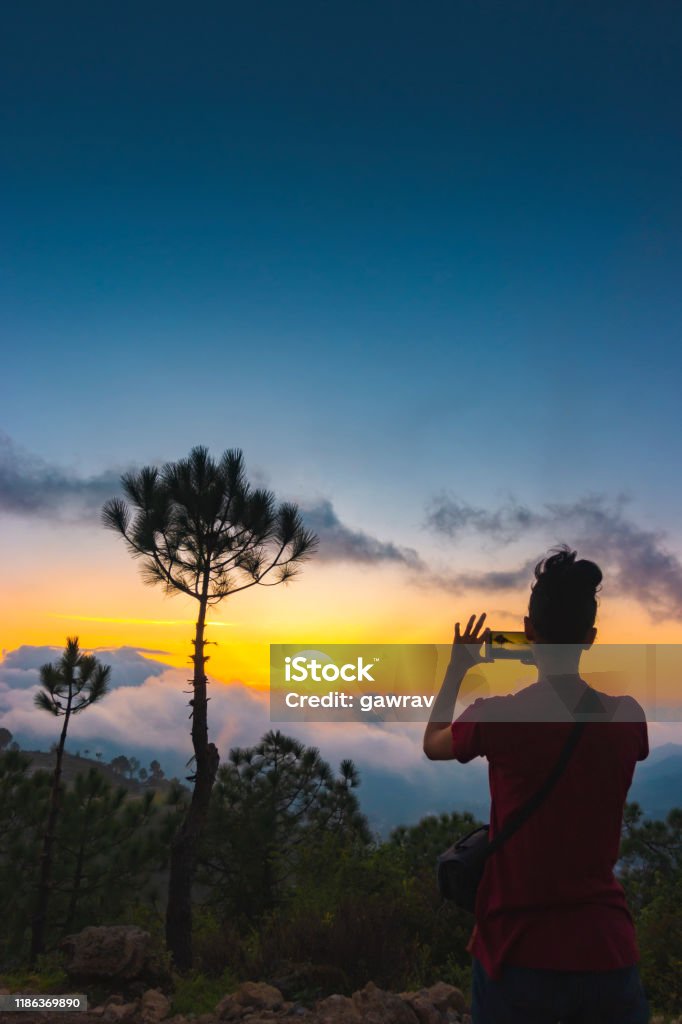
(591, 636)
(528, 629)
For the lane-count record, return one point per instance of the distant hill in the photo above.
(657, 754)
(73, 764)
(389, 799)
(657, 786)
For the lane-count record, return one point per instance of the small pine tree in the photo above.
(24, 798)
(69, 686)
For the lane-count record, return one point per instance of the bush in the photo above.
(199, 993)
(659, 931)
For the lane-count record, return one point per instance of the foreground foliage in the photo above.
(292, 888)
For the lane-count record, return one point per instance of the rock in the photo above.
(107, 952)
(154, 1006)
(250, 996)
(445, 997)
(116, 1013)
(259, 994)
(336, 1010)
(423, 1008)
(374, 1006)
(228, 1009)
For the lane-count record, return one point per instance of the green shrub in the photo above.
(198, 993)
(659, 932)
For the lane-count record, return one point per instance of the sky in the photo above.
(421, 263)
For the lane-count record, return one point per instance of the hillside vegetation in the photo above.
(292, 886)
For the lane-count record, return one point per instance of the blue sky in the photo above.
(387, 249)
(420, 261)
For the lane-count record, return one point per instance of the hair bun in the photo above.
(561, 569)
(586, 573)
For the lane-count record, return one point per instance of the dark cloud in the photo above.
(636, 560)
(493, 579)
(450, 517)
(341, 543)
(31, 486)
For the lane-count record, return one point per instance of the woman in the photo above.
(553, 939)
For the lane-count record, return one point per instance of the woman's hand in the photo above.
(466, 647)
(465, 653)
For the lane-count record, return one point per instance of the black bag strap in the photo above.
(528, 808)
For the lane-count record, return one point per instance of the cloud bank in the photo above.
(638, 561)
(20, 668)
(30, 486)
(148, 719)
(146, 713)
(341, 543)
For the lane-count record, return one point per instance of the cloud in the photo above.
(450, 517)
(341, 543)
(637, 559)
(20, 668)
(492, 580)
(146, 709)
(149, 718)
(31, 486)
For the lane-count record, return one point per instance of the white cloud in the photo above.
(149, 718)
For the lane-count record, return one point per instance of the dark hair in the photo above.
(563, 602)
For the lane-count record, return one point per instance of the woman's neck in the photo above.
(560, 660)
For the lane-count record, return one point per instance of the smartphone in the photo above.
(508, 644)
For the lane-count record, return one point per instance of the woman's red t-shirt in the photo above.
(548, 897)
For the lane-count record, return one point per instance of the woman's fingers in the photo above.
(471, 631)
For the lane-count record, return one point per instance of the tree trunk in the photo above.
(39, 922)
(185, 841)
(78, 872)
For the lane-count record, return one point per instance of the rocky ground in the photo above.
(120, 959)
(260, 1003)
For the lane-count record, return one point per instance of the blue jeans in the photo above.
(525, 995)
